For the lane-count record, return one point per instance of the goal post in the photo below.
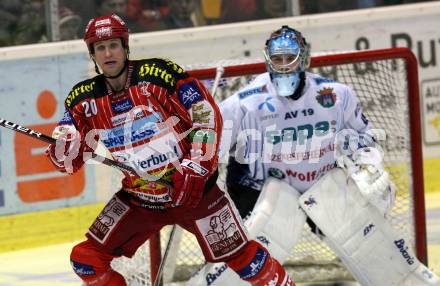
(386, 82)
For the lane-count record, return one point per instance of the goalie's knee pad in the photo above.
(255, 265)
(370, 248)
(277, 220)
(93, 266)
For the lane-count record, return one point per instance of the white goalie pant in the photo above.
(276, 222)
(363, 239)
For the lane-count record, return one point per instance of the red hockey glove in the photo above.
(64, 153)
(190, 184)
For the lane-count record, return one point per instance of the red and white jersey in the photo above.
(157, 119)
(295, 140)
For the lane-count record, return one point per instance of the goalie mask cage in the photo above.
(386, 82)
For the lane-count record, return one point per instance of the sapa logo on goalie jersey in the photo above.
(300, 133)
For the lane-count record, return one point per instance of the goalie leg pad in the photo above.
(361, 237)
(422, 276)
(276, 222)
(277, 219)
(93, 266)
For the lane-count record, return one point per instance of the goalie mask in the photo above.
(287, 57)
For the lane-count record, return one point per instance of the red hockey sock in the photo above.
(255, 265)
(93, 266)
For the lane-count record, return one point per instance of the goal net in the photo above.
(386, 83)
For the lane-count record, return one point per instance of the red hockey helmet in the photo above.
(105, 28)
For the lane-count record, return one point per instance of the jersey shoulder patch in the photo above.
(161, 72)
(319, 80)
(257, 86)
(252, 91)
(84, 89)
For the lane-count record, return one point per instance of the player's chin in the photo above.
(111, 71)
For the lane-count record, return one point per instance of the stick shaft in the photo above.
(164, 258)
(106, 161)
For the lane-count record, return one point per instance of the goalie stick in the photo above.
(164, 258)
(106, 161)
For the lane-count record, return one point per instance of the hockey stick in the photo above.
(164, 258)
(218, 75)
(106, 161)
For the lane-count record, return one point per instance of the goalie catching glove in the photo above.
(366, 169)
(189, 183)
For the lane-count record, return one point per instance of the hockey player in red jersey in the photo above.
(152, 116)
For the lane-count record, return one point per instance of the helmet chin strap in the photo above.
(297, 94)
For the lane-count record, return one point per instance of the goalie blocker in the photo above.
(363, 239)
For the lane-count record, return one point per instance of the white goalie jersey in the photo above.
(293, 140)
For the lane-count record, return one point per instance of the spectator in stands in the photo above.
(311, 7)
(368, 3)
(84, 9)
(211, 11)
(70, 24)
(247, 10)
(31, 25)
(9, 11)
(147, 14)
(274, 9)
(397, 2)
(180, 14)
(119, 7)
(238, 10)
(107, 7)
(12, 6)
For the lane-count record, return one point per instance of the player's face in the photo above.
(284, 63)
(110, 56)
